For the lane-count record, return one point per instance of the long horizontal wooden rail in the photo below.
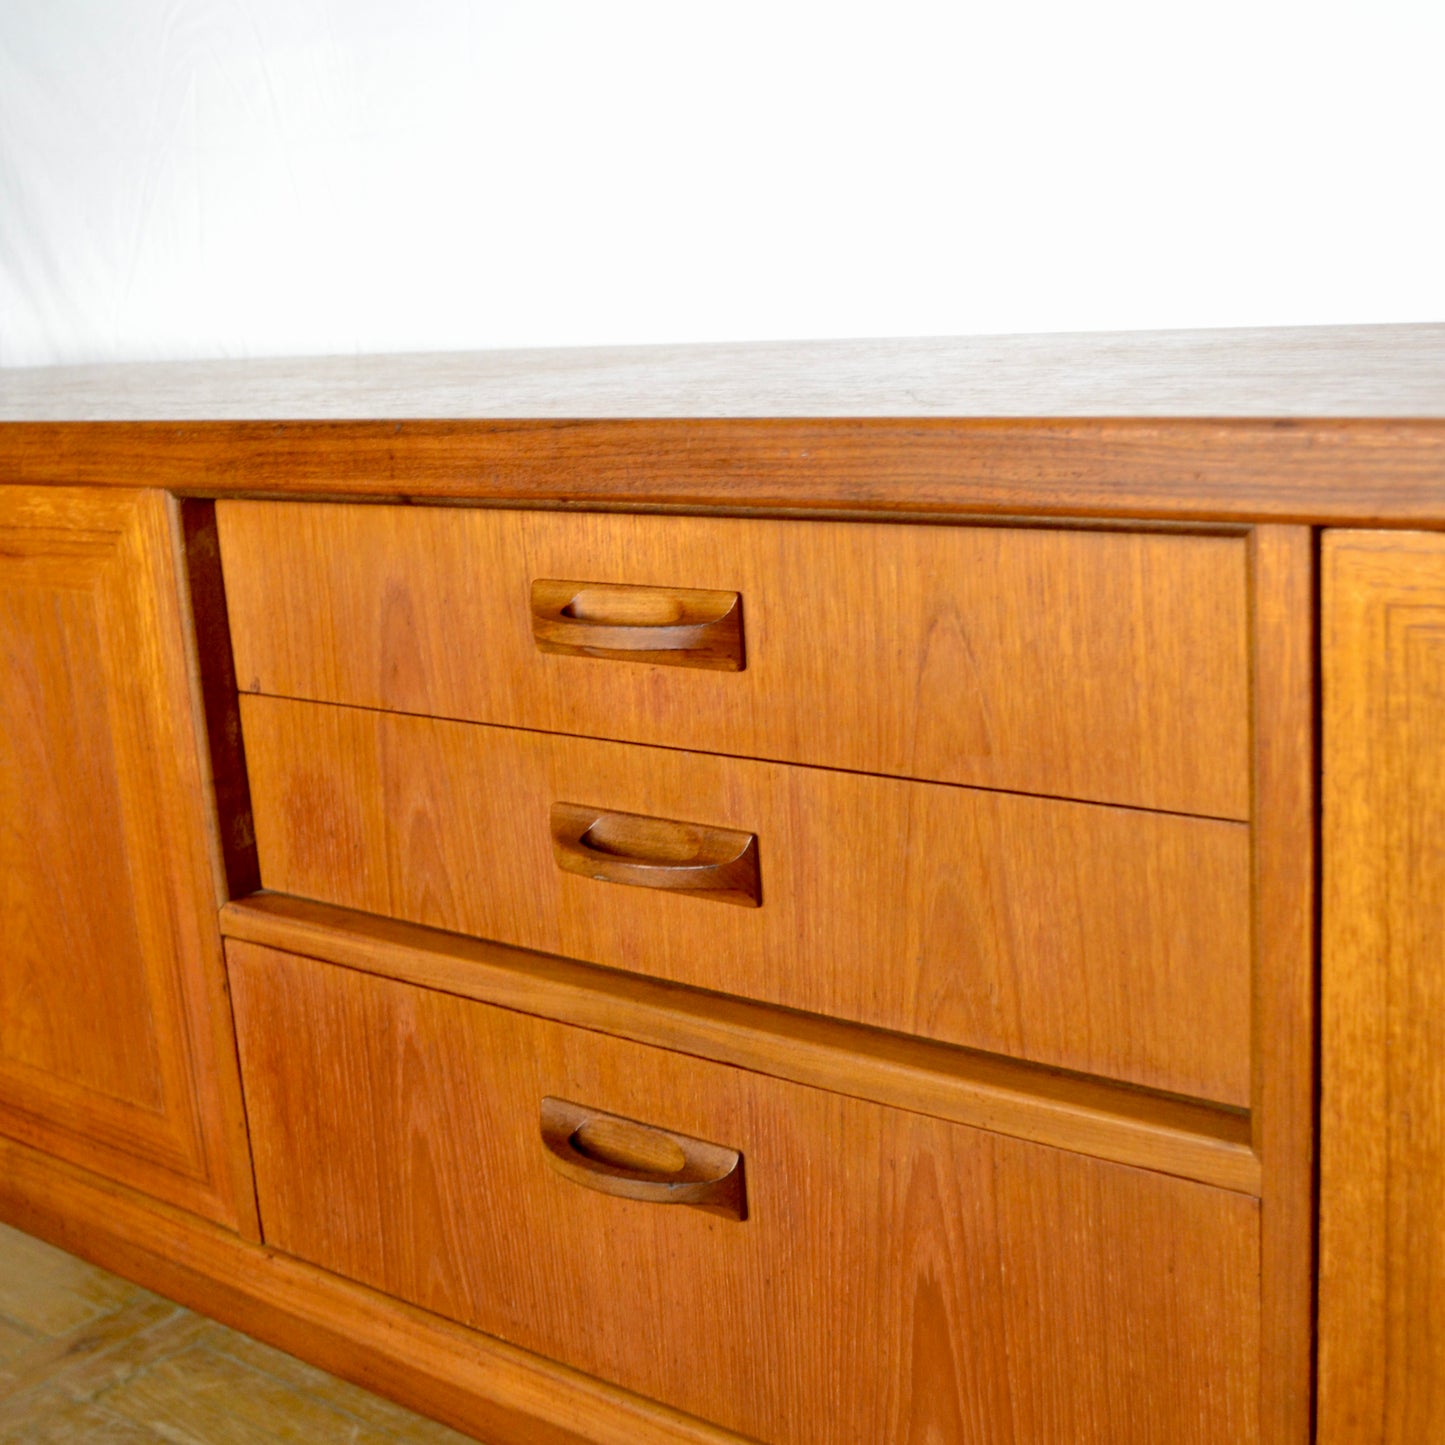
(1326, 471)
(1111, 1121)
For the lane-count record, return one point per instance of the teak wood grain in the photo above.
(1103, 666)
(496, 1392)
(1091, 1116)
(1105, 940)
(1382, 1222)
(897, 1278)
(116, 1050)
(1361, 471)
(1286, 768)
(115, 1040)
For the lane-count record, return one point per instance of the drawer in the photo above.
(1101, 939)
(1087, 664)
(896, 1278)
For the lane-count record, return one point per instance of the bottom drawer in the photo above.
(895, 1278)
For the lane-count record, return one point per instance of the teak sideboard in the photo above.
(881, 892)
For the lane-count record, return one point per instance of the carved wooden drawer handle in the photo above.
(676, 626)
(715, 863)
(639, 1161)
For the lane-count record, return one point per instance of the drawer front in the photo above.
(1101, 939)
(895, 1279)
(1094, 665)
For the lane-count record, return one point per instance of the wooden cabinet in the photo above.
(919, 814)
(115, 1046)
(411, 733)
(1382, 1215)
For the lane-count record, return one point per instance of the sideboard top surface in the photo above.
(1323, 371)
(1317, 425)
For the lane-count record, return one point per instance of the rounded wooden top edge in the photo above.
(1322, 471)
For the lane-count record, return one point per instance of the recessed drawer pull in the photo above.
(676, 626)
(715, 863)
(639, 1161)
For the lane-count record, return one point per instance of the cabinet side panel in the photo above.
(1382, 1208)
(116, 1049)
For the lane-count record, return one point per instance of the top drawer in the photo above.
(1088, 664)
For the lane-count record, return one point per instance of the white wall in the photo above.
(244, 177)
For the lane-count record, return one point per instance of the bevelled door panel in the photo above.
(1382, 1118)
(114, 1041)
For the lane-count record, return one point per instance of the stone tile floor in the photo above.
(88, 1359)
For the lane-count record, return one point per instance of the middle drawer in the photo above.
(1101, 939)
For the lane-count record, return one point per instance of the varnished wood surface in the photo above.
(493, 1391)
(1308, 371)
(1382, 1185)
(1105, 940)
(115, 1043)
(1363, 472)
(633, 850)
(1107, 666)
(1129, 1126)
(669, 626)
(897, 1278)
(628, 1159)
(1359, 472)
(1285, 977)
